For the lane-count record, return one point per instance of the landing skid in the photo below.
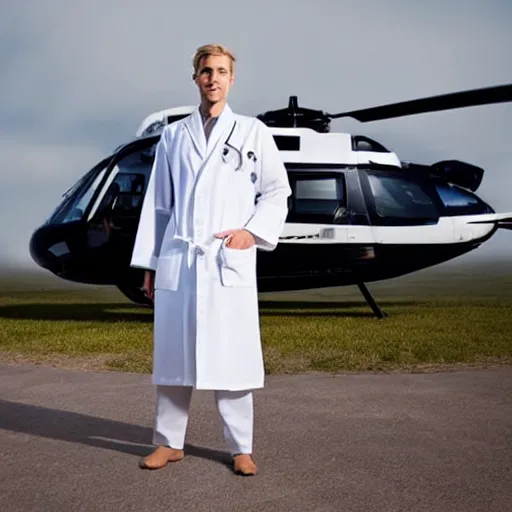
(371, 301)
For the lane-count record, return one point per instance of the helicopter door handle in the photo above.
(341, 214)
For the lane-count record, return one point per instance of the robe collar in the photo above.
(194, 123)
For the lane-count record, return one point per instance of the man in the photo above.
(218, 191)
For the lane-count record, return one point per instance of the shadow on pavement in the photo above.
(86, 312)
(116, 312)
(330, 304)
(327, 308)
(88, 430)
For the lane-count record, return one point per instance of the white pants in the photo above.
(171, 417)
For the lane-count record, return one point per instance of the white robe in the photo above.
(206, 331)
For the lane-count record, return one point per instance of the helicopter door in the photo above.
(117, 208)
(120, 210)
(317, 208)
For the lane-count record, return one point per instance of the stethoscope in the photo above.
(226, 152)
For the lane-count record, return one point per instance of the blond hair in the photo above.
(212, 49)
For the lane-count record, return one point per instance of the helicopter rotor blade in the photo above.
(484, 96)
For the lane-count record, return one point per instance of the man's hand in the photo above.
(237, 238)
(149, 284)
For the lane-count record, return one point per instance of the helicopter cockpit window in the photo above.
(78, 198)
(399, 199)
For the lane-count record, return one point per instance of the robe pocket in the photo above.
(238, 266)
(167, 276)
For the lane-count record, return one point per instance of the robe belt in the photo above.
(192, 247)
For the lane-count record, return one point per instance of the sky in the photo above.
(79, 77)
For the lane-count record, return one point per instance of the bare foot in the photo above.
(160, 457)
(244, 465)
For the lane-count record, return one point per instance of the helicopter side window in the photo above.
(458, 201)
(398, 199)
(318, 200)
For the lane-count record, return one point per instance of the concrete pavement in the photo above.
(71, 440)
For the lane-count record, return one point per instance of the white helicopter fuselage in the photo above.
(336, 148)
(324, 152)
(357, 214)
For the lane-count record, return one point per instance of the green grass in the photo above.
(334, 337)
(435, 320)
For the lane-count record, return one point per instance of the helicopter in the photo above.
(357, 213)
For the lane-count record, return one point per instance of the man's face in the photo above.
(214, 78)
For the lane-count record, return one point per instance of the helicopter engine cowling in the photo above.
(459, 173)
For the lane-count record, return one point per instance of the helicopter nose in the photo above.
(48, 248)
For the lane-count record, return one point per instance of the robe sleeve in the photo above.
(156, 211)
(271, 211)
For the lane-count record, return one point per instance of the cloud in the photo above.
(34, 177)
(107, 61)
(81, 76)
(28, 161)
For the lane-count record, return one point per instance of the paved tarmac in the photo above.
(70, 441)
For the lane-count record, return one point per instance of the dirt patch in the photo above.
(95, 362)
(483, 364)
(275, 364)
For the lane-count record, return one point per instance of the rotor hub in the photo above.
(297, 117)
